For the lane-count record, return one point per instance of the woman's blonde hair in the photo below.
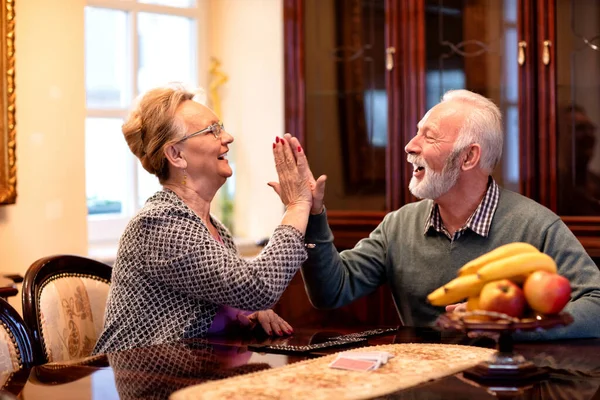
(152, 125)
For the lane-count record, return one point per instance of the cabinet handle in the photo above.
(521, 57)
(389, 58)
(546, 52)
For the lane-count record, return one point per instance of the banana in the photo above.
(516, 266)
(456, 290)
(498, 253)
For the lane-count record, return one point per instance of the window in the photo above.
(130, 47)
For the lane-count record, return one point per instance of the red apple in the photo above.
(547, 293)
(502, 296)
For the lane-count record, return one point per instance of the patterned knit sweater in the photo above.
(414, 263)
(171, 275)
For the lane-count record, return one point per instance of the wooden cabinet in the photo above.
(360, 74)
(572, 88)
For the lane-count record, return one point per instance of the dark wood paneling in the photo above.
(527, 101)
(587, 230)
(375, 309)
(349, 227)
(406, 92)
(546, 105)
(293, 41)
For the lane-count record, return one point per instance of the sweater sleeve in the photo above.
(180, 252)
(576, 265)
(335, 279)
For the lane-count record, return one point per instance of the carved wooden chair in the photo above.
(8, 285)
(16, 352)
(64, 300)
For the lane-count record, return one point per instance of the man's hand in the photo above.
(457, 308)
(317, 187)
(293, 172)
(269, 321)
(318, 192)
(462, 307)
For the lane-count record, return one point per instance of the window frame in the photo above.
(104, 230)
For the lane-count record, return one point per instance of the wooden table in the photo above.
(158, 371)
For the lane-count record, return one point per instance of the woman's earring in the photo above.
(183, 182)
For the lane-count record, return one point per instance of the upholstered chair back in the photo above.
(16, 353)
(64, 300)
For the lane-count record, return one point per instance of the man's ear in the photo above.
(175, 157)
(471, 158)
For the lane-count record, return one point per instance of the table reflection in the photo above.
(158, 371)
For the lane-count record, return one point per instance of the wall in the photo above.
(50, 214)
(247, 36)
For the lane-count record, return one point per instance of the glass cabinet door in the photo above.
(345, 100)
(473, 44)
(578, 106)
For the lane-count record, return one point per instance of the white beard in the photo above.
(434, 184)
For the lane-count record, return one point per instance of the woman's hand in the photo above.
(271, 323)
(317, 187)
(296, 183)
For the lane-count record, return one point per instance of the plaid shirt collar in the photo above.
(479, 222)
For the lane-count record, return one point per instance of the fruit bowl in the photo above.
(505, 365)
(496, 322)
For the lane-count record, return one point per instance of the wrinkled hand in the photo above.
(269, 321)
(287, 151)
(317, 187)
(457, 308)
(461, 308)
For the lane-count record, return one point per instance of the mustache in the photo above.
(413, 159)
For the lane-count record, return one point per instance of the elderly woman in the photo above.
(178, 274)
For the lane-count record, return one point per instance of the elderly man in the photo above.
(463, 215)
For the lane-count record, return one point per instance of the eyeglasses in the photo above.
(215, 129)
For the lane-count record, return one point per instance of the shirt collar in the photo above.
(479, 222)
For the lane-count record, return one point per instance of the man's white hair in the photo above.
(483, 125)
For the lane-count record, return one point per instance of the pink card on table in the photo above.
(353, 364)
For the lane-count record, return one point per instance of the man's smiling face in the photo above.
(436, 164)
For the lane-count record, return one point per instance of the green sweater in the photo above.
(414, 264)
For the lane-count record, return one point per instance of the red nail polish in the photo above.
(299, 149)
(279, 333)
(274, 145)
(276, 139)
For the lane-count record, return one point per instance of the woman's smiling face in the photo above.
(206, 155)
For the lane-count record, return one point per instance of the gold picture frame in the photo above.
(8, 167)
